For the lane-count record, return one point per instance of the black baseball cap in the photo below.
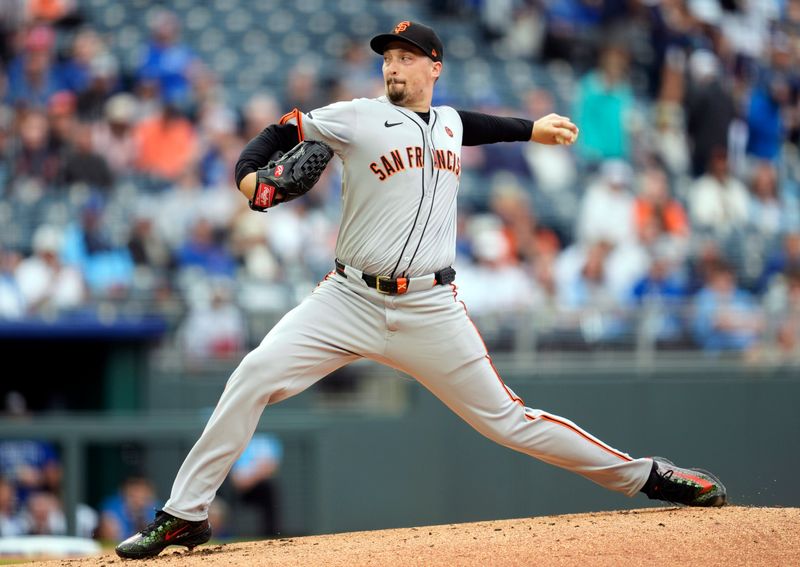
(414, 33)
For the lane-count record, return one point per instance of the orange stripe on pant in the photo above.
(521, 402)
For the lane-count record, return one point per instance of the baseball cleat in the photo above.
(162, 532)
(690, 487)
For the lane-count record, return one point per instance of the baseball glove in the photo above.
(291, 176)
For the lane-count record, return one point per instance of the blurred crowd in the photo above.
(31, 491)
(674, 221)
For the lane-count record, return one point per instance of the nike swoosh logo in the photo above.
(390, 124)
(171, 535)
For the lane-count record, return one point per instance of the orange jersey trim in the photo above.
(298, 116)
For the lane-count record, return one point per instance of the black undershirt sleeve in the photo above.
(259, 150)
(487, 129)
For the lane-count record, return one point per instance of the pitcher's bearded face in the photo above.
(408, 73)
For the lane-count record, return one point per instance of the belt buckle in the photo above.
(378, 280)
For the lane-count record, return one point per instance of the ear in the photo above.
(436, 69)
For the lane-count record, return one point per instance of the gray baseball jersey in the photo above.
(400, 183)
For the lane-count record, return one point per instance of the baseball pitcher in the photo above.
(391, 295)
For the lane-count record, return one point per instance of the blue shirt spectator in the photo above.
(167, 61)
(30, 465)
(764, 119)
(202, 250)
(726, 318)
(107, 268)
(127, 511)
(32, 76)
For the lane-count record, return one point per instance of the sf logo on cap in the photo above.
(402, 26)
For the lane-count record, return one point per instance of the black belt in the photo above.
(398, 286)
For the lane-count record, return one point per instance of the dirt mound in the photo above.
(654, 536)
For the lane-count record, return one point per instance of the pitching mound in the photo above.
(655, 536)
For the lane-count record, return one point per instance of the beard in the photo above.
(396, 91)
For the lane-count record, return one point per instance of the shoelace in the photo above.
(673, 491)
(152, 526)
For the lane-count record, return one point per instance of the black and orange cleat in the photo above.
(690, 487)
(162, 532)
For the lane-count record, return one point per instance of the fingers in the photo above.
(566, 136)
(556, 129)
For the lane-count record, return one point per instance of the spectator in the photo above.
(655, 209)
(113, 138)
(494, 284)
(706, 254)
(106, 265)
(767, 214)
(604, 105)
(102, 83)
(220, 148)
(215, 327)
(526, 239)
(356, 65)
(167, 61)
(31, 465)
(726, 319)
(166, 144)
(32, 77)
(587, 299)
(260, 110)
(177, 209)
(770, 96)
(74, 73)
(81, 164)
(662, 293)
(128, 510)
(11, 522)
(606, 210)
(32, 158)
(718, 201)
(203, 249)
(303, 90)
(249, 247)
(667, 138)
(42, 515)
(781, 260)
(149, 251)
(49, 286)
(62, 120)
(710, 109)
(552, 167)
(253, 478)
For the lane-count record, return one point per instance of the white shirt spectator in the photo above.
(606, 211)
(719, 204)
(215, 327)
(45, 282)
